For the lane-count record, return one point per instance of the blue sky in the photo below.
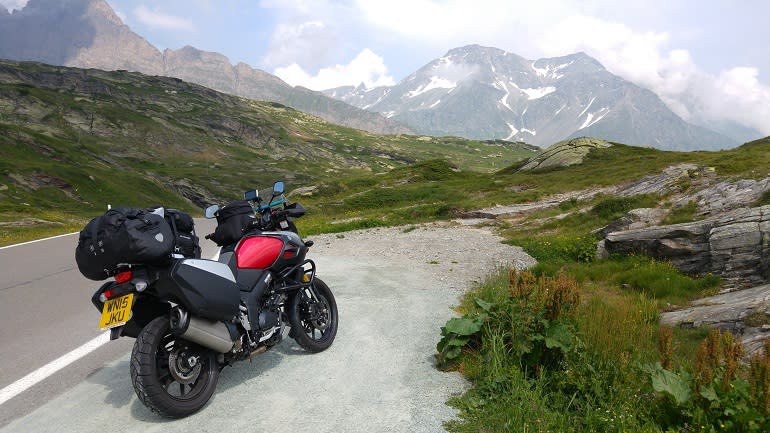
(707, 59)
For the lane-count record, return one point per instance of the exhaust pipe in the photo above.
(208, 333)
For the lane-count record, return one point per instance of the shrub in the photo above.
(718, 393)
(560, 248)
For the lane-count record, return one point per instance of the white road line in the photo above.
(37, 240)
(52, 367)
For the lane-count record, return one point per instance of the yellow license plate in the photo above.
(116, 311)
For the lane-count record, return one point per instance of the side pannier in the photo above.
(122, 235)
(232, 220)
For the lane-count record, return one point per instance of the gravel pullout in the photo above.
(395, 287)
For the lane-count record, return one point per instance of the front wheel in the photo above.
(313, 317)
(171, 376)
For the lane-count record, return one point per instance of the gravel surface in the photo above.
(395, 288)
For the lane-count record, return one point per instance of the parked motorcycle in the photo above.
(191, 317)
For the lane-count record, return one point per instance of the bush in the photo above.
(560, 248)
(718, 393)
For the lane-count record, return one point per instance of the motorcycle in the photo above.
(192, 317)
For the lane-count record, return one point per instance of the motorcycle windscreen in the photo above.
(207, 288)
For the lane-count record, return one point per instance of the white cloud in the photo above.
(308, 43)
(367, 68)
(737, 95)
(157, 19)
(13, 4)
(643, 58)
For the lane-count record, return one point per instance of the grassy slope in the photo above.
(72, 141)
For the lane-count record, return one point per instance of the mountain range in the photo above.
(473, 92)
(477, 91)
(88, 34)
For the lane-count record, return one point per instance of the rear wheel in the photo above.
(313, 317)
(171, 376)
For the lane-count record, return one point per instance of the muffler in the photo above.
(208, 333)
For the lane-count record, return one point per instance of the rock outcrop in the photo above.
(564, 153)
(744, 312)
(735, 246)
(726, 196)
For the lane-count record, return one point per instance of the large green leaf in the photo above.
(677, 385)
(463, 325)
(558, 335)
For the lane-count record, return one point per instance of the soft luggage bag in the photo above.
(232, 220)
(186, 242)
(122, 235)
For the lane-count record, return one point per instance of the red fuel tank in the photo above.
(258, 252)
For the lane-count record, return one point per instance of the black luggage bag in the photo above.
(232, 220)
(186, 241)
(122, 235)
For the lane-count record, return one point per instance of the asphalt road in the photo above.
(394, 289)
(45, 313)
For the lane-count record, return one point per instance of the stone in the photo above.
(564, 153)
(735, 246)
(726, 196)
(727, 312)
(671, 179)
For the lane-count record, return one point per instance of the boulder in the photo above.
(686, 245)
(735, 246)
(564, 153)
(635, 219)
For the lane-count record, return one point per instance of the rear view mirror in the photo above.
(278, 188)
(211, 211)
(252, 195)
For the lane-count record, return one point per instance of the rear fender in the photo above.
(144, 311)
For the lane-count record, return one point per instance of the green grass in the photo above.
(683, 214)
(597, 384)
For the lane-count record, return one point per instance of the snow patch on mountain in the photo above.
(587, 107)
(514, 131)
(435, 83)
(592, 118)
(504, 99)
(539, 92)
(551, 71)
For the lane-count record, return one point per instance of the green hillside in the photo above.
(73, 141)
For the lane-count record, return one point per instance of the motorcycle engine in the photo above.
(269, 318)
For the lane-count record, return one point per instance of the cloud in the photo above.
(156, 19)
(309, 44)
(367, 67)
(737, 95)
(644, 58)
(13, 4)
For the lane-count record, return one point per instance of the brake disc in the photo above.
(183, 368)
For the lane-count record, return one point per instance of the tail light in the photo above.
(115, 291)
(107, 294)
(124, 277)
